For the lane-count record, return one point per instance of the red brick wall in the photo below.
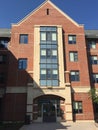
(26, 51)
(20, 78)
(14, 107)
(87, 107)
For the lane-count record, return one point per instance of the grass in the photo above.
(10, 126)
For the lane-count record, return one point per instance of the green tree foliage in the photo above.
(94, 95)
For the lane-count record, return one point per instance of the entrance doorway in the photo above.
(48, 108)
(49, 112)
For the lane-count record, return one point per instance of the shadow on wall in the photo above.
(15, 84)
(13, 104)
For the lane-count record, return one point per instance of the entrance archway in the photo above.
(48, 108)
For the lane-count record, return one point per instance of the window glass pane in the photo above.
(43, 61)
(94, 57)
(49, 83)
(96, 75)
(71, 56)
(76, 105)
(55, 72)
(54, 60)
(55, 82)
(43, 82)
(53, 36)
(43, 71)
(42, 65)
(48, 36)
(22, 63)
(54, 52)
(54, 66)
(43, 36)
(70, 38)
(43, 52)
(49, 66)
(24, 38)
(72, 73)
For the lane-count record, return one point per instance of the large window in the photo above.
(73, 56)
(22, 63)
(77, 107)
(95, 78)
(23, 38)
(48, 57)
(75, 76)
(72, 39)
(94, 59)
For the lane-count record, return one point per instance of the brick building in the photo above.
(47, 67)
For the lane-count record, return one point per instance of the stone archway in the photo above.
(48, 108)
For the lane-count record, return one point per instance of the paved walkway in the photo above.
(61, 126)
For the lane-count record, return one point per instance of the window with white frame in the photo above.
(77, 107)
(92, 44)
(74, 76)
(94, 59)
(22, 63)
(95, 78)
(72, 39)
(23, 39)
(49, 56)
(73, 56)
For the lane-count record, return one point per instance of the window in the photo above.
(95, 78)
(72, 39)
(94, 60)
(74, 75)
(47, 11)
(2, 78)
(48, 35)
(23, 38)
(92, 44)
(22, 63)
(3, 59)
(4, 43)
(73, 56)
(77, 107)
(48, 56)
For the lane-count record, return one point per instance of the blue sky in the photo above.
(82, 11)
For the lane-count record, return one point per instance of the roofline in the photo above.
(36, 9)
(5, 32)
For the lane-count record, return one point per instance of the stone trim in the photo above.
(81, 90)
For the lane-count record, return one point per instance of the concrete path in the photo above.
(61, 126)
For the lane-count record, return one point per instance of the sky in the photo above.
(82, 11)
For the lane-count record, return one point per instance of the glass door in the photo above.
(49, 112)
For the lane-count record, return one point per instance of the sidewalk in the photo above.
(61, 126)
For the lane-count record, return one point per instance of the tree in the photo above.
(94, 95)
